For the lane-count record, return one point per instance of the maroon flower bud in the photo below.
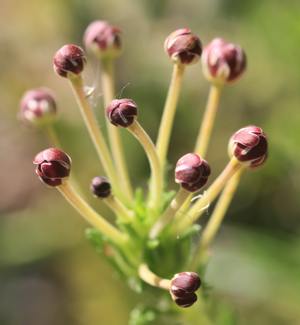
(103, 39)
(192, 172)
(183, 46)
(100, 186)
(186, 301)
(69, 59)
(183, 287)
(222, 61)
(52, 165)
(249, 145)
(38, 106)
(122, 112)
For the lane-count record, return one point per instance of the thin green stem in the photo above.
(119, 208)
(156, 184)
(52, 136)
(108, 85)
(217, 217)
(95, 133)
(91, 215)
(165, 128)
(213, 191)
(153, 279)
(169, 213)
(208, 119)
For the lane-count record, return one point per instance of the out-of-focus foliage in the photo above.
(49, 274)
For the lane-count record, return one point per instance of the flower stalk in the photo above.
(216, 218)
(91, 215)
(169, 110)
(107, 76)
(153, 279)
(156, 184)
(208, 119)
(213, 191)
(169, 213)
(95, 133)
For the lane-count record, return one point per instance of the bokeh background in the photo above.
(49, 274)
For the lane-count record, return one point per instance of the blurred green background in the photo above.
(49, 274)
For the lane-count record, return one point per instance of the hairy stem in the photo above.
(91, 215)
(208, 120)
(165, 128)
(113, 132)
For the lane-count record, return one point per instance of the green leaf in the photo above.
(142, 316)
(95, 238)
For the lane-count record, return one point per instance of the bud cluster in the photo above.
(154, 227)
(183, 288)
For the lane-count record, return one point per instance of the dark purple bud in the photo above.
(192, 172)
(122, 112)
(183, 46)
(249, 145)
(52, 165)
(100, 187)
(185, 282)
(186, 301)
(38, 106)
(223, 62)
(103, 39)
(183, 287)
(69, 59)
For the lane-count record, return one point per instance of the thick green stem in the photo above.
(156, 184)
(113, 132)
(91, 215)
(165, 128)
(208, 120)
(95, 133)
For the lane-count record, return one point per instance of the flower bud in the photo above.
(103, 39)
(223, 62)
(192, 172)
(52, 165)
(183, 287)
(183, 46)
(186, 301)
(122, 112)
(69, 59)
(38, 106)
(100, 187)
(249, 145)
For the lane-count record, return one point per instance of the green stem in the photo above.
(208, 120)
(169, 213)
(91, 215)
(95, 133)
(52, 136)
(213, 191)
(123, 213)
(165, 128)
(152, 279)
(113, 132)
(217, 217)
(156, 184)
